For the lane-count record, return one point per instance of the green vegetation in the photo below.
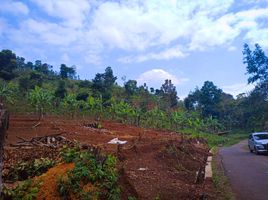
(205, 112)
(26, 190)
(94, 176)
(25, 170)
(40, 99)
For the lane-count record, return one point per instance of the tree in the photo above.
(43, 68)
(70, 104)
(207, 99)
(30, 80)
(131, 87)
(6, 94)
(109, 78)
(41, 99)
(168, 94)
(191, 101)
(20, 62)
(67, 72)
(82, 96)
(8, 63)
(85, 84)
(257, 64)
(102, 84)
(257, 67)
(29, 65)
(255, 110)
(61, 90)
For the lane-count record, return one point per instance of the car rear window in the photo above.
(261, 137)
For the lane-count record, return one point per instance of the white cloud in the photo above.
(237, 88)
(93, 58)
(14, 7)
(33, 31)
(232, 48)
(167, 54)
(72, 12)
(65, 58)
(258, 36)
(156, 77)
(144, 30)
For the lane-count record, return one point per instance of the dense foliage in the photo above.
(94, 176)
(35, 87)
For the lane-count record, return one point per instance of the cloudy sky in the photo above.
(187, 41)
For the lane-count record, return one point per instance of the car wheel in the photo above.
(251, 151)
(256, 152)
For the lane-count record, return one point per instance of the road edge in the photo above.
(221, 183)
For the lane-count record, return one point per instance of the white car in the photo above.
(258, 142)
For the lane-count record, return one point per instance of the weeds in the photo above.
(27, 190)
(93, 177)
(24, 170)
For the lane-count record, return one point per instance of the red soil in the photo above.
(48, 189)
(152, 164)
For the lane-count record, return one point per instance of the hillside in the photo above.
(152, 164)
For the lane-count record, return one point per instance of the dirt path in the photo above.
(248, 173)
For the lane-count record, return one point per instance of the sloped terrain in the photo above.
(151, 165)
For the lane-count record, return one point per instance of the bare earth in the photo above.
(247, 172)
(153, 164)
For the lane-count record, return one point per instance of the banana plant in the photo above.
(7, 92)
(70, 104)
(41, 99)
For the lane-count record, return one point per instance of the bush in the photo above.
(24, 170)
(94, 176)
(27, 190)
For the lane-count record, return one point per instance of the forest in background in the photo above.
(36, 87)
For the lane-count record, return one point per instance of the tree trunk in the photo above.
(4, 123)
(2, 139)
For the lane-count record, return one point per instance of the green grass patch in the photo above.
(217, 140)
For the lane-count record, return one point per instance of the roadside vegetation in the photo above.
(207, 112)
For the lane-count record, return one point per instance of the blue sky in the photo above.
(187, 41)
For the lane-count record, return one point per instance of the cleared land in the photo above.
(152, 164)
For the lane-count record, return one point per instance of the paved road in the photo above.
(248, 173)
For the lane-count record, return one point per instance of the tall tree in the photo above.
(168, 94)
(20, 62)
(103, 83)
(131, 87)
(257, 67)
(67, 72)
(8, 63)
(257, 64)
(255, 111)
(207, 99)
(61, 91)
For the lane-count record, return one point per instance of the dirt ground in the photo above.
(152, 164)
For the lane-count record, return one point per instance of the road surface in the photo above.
(247, 172)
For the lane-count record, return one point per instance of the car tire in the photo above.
(256, 152)
(251, 151)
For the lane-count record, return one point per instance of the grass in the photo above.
(215, 140)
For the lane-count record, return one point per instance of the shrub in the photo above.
(94, 176)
